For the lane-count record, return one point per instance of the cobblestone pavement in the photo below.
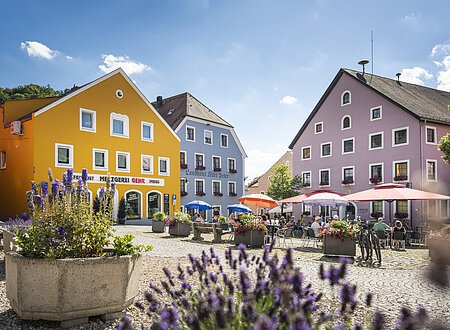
(400, 281)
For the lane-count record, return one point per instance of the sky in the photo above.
(261, 65)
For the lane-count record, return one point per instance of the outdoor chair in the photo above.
(310, 237)
(383, 237)
(398, 240)
(282, 235)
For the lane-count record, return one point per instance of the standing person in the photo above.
(316, 226)
(398, 228)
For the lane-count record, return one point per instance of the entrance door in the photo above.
(153, 203)
(350, 211)
(133, 200)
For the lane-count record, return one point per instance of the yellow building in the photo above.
(106, 126)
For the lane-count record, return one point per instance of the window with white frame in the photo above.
(2, 160)
(324, 176)
(377, 209)
(401, 170)
(346, 98)
(216, 162)
(146, 164)
(306, 179)
(100, 159)
(199, 161)
(376, 141)
(325, 149)
(376, 173)
(63, 155)
(431, 170)
(146, 131)
(190, 133)
(400, 136)
(199, 187)
(348, 175)
(431, 135)
(401, 208)
(164, 166)
(306, 153)
(208, 137)
(183, 161)
(376, 113)
(307, 209)
(231, 165)
(346, 122)
(318, 128)
(348, 146)
(224, 140)
(87, 120)
(232, 188)
(183, 186)
(216, 189)
(119, 125)
(122, 161)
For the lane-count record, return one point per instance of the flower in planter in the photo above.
(375, 180)
(400, 178)
(306, 184)
(200, 193)
(232, 194)
(19, 223)
(217, 169)
(183, 166)
(200, 168)
(222, 219)
(249, 222)
(217, 193)
(340, 229)
(179, 217)
(376, 215)
(401, 215)
(232, 170)
(183, 193)
(348, 181)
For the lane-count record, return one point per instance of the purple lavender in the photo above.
(30, 201)
(55, 187)
(44, 188)
(84, 175)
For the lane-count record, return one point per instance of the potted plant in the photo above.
(179, 224)
(61, 257)
(339, 239)
(122, 212)
(439, 246)
(223, 222)
(158, 223)
(400, 178)
(249, 231)
(375, 180)
(18, 224)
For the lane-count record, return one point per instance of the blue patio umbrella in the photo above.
(239, 208)
(199, 205)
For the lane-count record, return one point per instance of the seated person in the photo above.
(282, 221)
(199, 218)
(398, 228)
(381, 228)
(316, 226)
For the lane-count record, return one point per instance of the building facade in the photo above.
(211, 156)
(369, 129)
(259, 185)
(106, 126)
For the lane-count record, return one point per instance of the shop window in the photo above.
(133, 204)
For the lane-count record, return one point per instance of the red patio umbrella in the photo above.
(390, 192)
(258, 200)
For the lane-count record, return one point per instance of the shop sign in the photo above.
(118, 179)
(209, 174)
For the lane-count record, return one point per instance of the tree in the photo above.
(122, 212)
(32, 91)
(282, 185)
(444, 147)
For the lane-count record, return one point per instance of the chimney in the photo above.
(398, 74)
(159, 101)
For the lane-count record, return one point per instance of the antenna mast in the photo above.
(371, 49)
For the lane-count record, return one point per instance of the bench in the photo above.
(203, 227)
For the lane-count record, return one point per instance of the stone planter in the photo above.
(9, 241)
(71, 290)
(158, 226)
(439, 251)
(335, 247)
(251, 238)
(180, 229)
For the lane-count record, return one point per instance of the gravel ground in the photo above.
(400, 281)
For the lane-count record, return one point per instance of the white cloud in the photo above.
(111, 62)
(443, 76)
(36, 49)
(289, 100)
(415, 75)
(259, 162)
(440, 49)
(69, 58)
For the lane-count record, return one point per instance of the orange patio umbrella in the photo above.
(258, 200)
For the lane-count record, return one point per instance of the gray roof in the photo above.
(175, 108)
(423, 103)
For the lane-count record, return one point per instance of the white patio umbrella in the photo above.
(326, 199)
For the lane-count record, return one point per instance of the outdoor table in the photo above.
(272, 229)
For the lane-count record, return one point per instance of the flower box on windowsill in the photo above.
(400, 178)
(200, 193)
(200, 168)
(232, 194)
(306, 185)
(348, 181)
(401, 215)
(232, 170)
(183, 166)
(376, 215)
(324, 184)
(219, 194)
(183, 193)
(375, 180)
(306, 213)
(217, 169)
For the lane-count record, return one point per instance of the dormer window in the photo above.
(346, 98)
(346, 122)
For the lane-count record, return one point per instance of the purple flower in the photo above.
(213, 277)
(44, 188)
(38, 201)
(34, 187)
(124, 323)
(30, 201)
(55, 187)
(69, 176)
(61, 231)
(53, 242)
(101, 194)
(84, 175)
(113, 187)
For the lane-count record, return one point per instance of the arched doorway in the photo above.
(153, 203)
(133, 200)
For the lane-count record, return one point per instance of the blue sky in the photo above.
(261, 65)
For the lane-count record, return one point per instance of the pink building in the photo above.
(370, 129)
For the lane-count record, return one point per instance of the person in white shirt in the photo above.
(316, 226)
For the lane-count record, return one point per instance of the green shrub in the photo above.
(122, 212)
(123, 246)
(159, 216)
